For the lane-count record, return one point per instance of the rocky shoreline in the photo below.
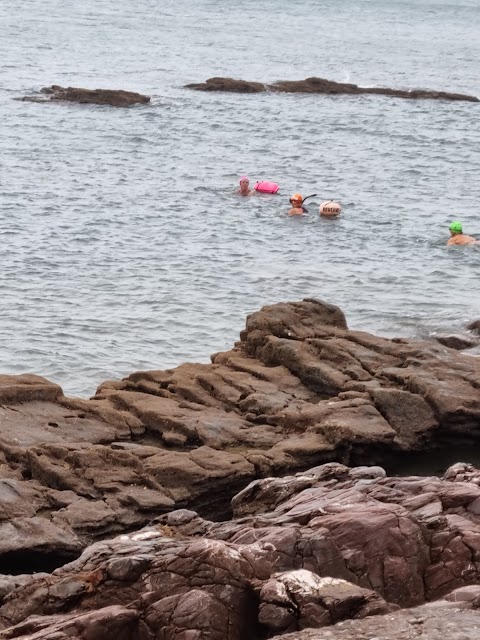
(133, 490)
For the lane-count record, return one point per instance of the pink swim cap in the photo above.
(244, 178)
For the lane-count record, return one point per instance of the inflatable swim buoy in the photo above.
(266, 187)
(330, 208)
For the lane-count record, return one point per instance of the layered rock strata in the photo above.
(323, 86)
(298, 390)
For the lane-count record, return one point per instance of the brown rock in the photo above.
(178, 584)
(110, 623)
(329, 545)
(474, 326)
(111, 97)
(228, 84)
(323, 86)
(300, 389)
(457, 341)
(301, 599)
(426, 622)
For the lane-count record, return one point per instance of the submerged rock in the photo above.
(111, 97)
(321, 85)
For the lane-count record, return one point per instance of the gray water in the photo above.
(122, 244)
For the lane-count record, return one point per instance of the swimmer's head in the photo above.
(244, 179)
(296, 199)
(456, 227)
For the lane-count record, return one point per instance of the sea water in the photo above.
(123, 246)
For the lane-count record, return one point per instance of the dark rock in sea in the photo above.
(228, 84)
(320, 85)
(298, 390)
(323, 86)
(474, 326)
(457, 341)
(111, 97)
(303, 552)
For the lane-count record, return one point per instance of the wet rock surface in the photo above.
(111, 97)
(474, 327)
(458, 341)
(298, 390)
(323, 86)
(317, 549)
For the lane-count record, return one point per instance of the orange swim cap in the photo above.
(297, 197)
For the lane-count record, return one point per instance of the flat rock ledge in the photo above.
(298, 390)
(335, 552)
(321, 85)
(111, 97)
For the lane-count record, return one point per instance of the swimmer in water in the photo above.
(297, 205)
(458, 237)
(244, 189)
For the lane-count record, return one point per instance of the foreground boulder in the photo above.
(178, 583)
(321, 85)
(300, 389)
(111, 97)
(316, 549)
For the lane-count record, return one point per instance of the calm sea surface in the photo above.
(122, 244)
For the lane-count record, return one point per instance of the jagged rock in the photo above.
(323, 86)
(339, 544)
(300, 599)
(177, 584)
(300, 389)
(421, 531)
(111, 97)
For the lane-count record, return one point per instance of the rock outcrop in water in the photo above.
(111, 97)
(323, 86)
(474, 327)
(303, 552)
(298, 390)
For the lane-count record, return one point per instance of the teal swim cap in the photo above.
(456, 227)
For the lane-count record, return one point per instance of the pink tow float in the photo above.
(265, 186)
(330, 209)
